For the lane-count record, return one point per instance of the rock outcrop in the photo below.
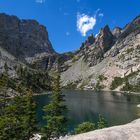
(104, 39)
(124, 132)
(117, 32)
(23, 38)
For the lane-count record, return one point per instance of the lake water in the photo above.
(87, 105)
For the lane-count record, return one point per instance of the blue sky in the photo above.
(69, 22)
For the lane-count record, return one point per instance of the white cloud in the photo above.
(85, 23)
(40, 1)
(100, 14)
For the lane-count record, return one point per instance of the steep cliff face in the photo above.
(21, 42)
(23, 38)
(26, 41)
(104, 39)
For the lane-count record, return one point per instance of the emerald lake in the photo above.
(83, 106)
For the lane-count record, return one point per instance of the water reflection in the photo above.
(87, 105)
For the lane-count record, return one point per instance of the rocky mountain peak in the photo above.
(89, 41)
(104, 39)
(117, 31)
(23, 38)
(106, 29)
(93, 49)
(132, 27)
(136, 20)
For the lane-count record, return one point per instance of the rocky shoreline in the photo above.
(128, 131)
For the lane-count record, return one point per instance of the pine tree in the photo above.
(30, 115)
(11, 127)
(101, 122)
(18, 120)
(56, 122)
(17, 114)
(3, 87)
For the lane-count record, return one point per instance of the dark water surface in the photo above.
(87, 105)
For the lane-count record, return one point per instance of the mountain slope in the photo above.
(111, 55)
(21, 41)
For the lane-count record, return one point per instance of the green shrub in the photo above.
(132, 88)
(89, 126)
(99, 86)
(102, 78)
(70, 85)
(85, 127)
(75, 59)
(129, 50)
(116, 82)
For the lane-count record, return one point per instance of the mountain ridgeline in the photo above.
(109, 61)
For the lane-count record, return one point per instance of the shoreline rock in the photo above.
(128, 131)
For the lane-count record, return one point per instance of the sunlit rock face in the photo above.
(116, 32)
(104, 39)
(124, 132)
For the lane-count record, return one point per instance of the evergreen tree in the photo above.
(10, 121)
(56, 122)
(18, 119)
(101, 122)
(30, 115)
(3, 88)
